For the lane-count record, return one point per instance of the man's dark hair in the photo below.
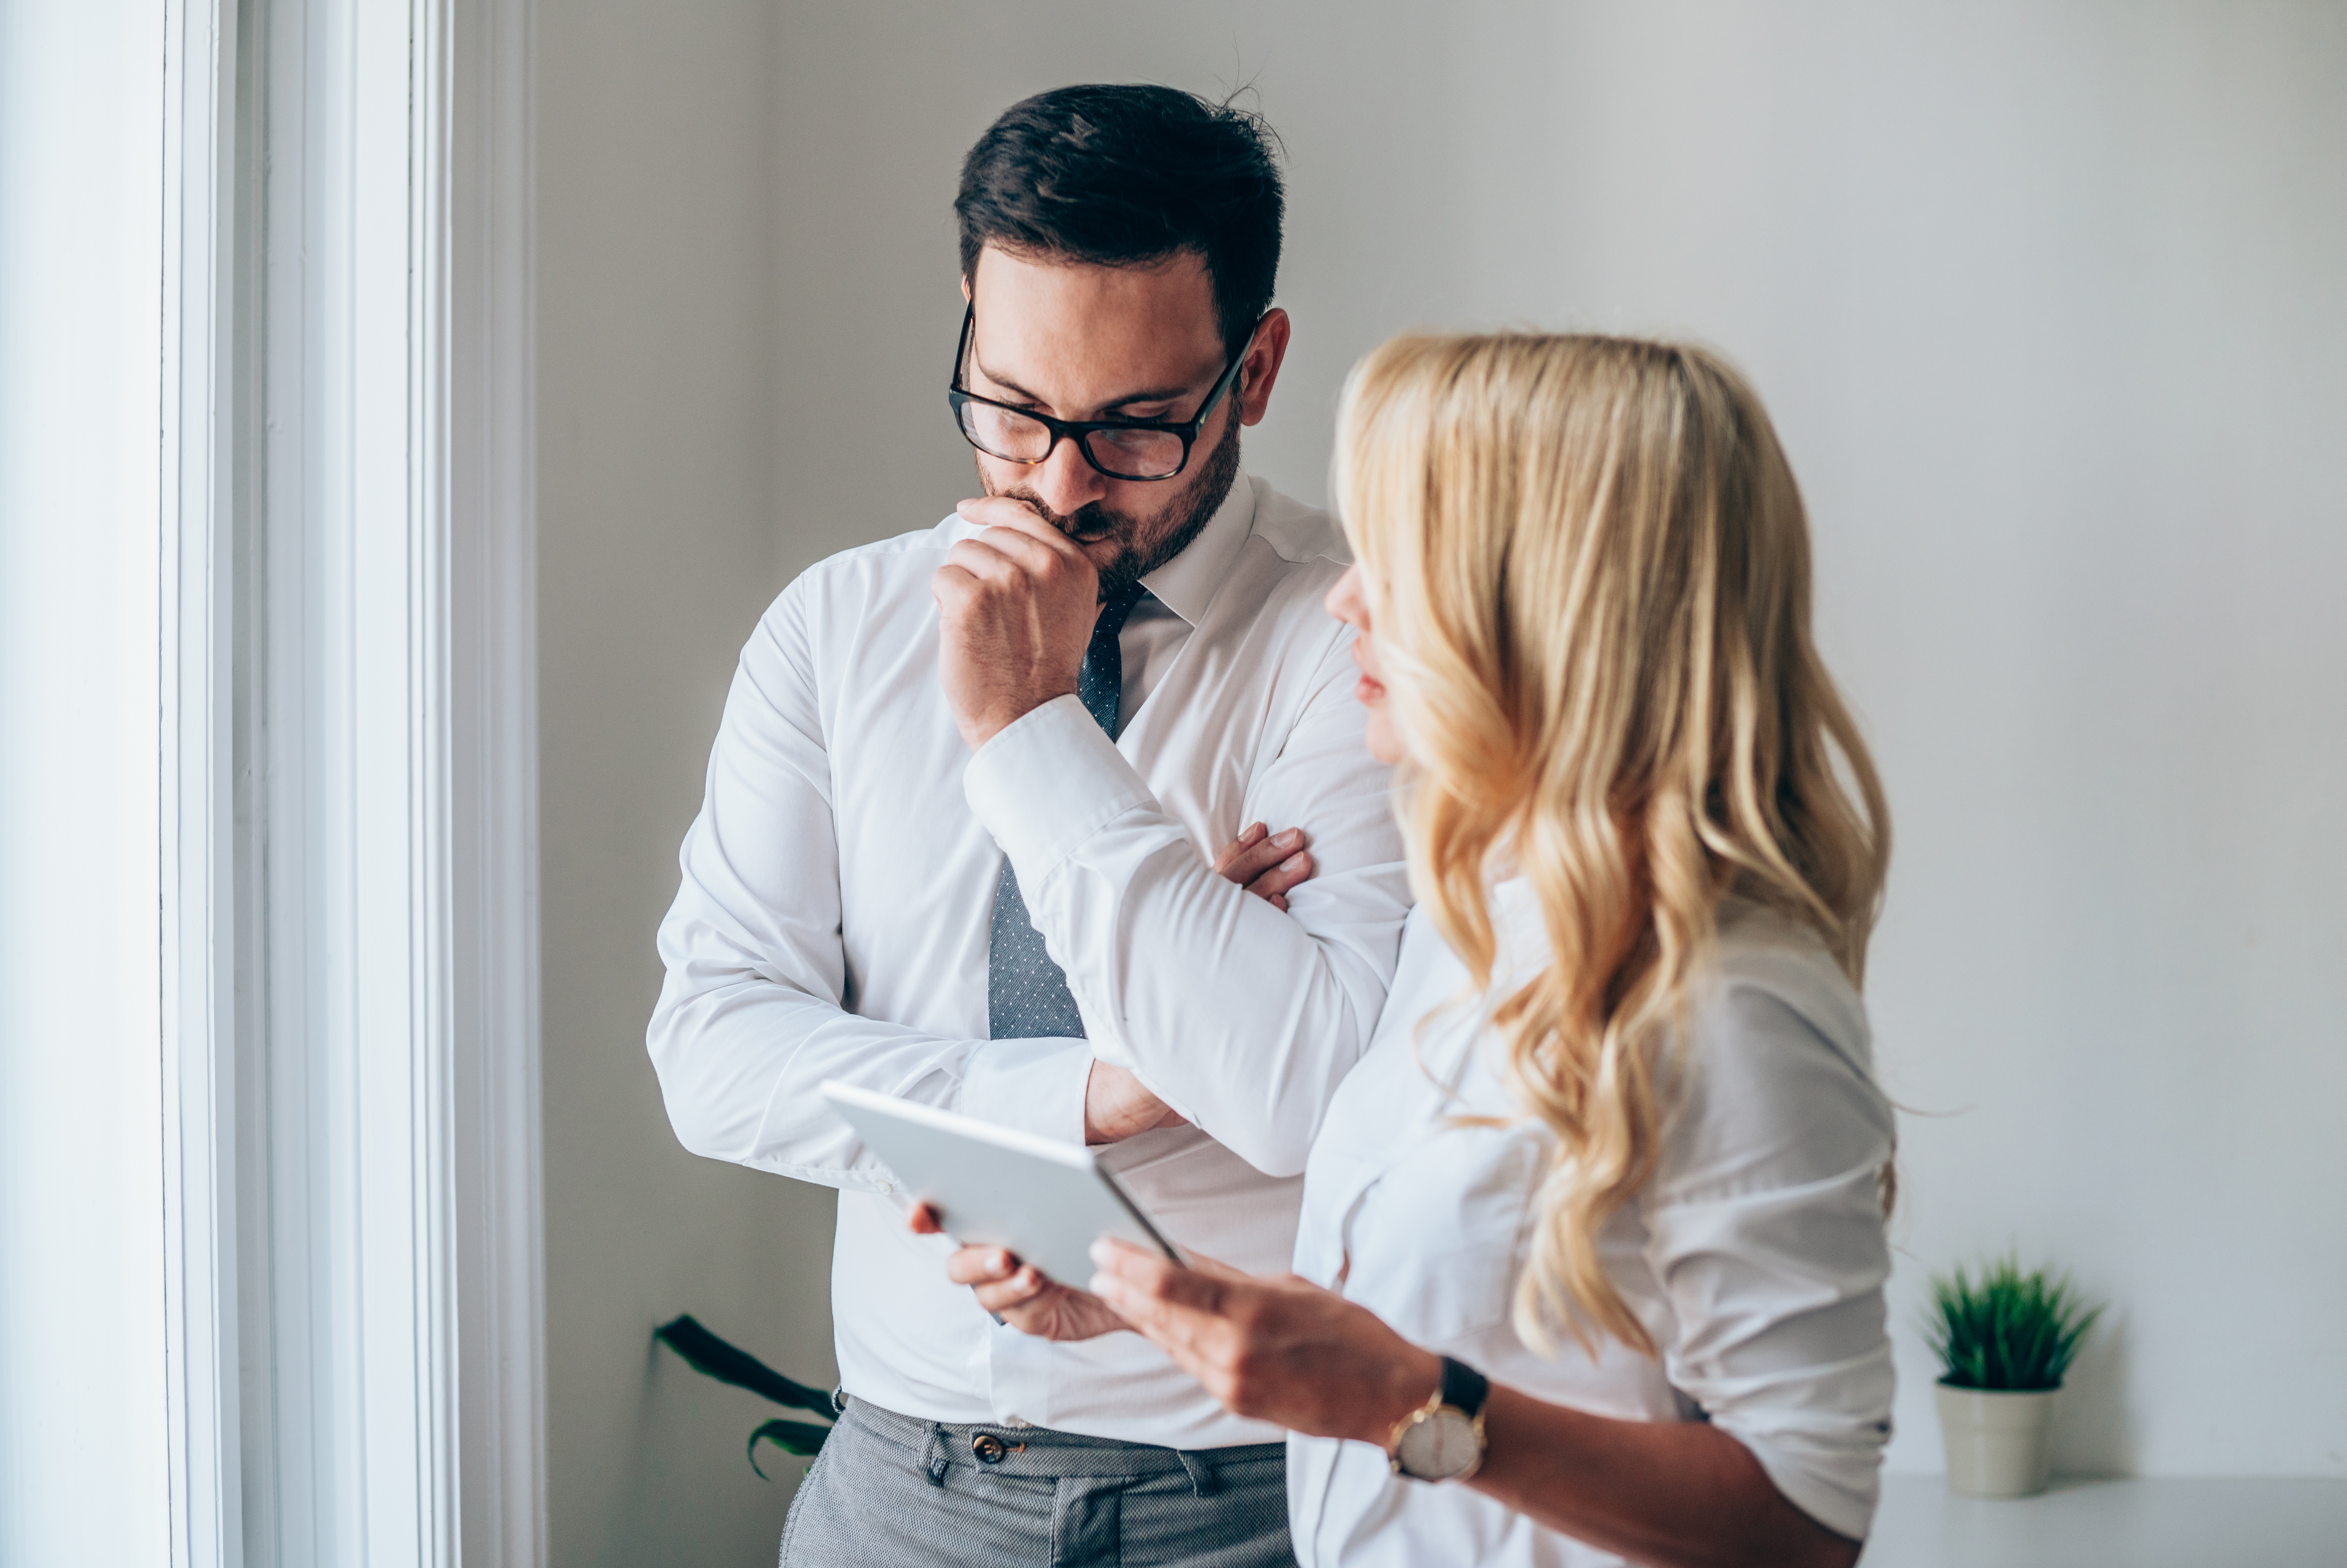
(1127, 177)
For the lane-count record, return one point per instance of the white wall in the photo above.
(2047, 303)
(656, 417)
(82, 1414)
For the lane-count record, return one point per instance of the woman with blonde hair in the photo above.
(1594, 1230)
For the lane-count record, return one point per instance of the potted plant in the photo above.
(707, 1354)
(2003, 1342)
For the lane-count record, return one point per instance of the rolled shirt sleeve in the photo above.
(1764, 1230)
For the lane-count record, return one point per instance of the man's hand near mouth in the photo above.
(1015, 607)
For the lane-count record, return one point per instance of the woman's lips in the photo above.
(1368, 688)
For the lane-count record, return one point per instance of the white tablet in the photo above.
(994, 1187)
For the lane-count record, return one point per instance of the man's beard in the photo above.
(1145, 544)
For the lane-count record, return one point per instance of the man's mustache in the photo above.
(1083, 525)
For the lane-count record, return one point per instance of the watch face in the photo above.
(1442, 1446)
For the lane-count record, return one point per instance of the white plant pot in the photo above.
(1997, 1443)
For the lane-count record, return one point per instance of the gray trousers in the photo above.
(890, 1490)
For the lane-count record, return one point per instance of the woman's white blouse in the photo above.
(1756, 1257)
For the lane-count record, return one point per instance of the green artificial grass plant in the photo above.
(2007, 1331)
(707, 1354)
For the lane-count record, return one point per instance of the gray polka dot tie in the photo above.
(1027, 994)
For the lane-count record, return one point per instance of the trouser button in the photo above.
(988, 1448)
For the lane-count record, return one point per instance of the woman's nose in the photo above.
(1346, 602)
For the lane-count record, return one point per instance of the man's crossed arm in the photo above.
(1117, 1104)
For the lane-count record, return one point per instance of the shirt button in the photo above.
(887, 1187)
(988, 1448)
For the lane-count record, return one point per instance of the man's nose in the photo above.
(1065, 482)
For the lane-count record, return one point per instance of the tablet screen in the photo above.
(997, 1186)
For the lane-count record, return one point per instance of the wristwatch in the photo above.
(1442, 1440)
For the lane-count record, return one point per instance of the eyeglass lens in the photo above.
(1127, 454)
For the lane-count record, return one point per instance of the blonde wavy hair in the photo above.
(1587, 566)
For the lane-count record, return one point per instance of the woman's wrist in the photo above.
(1411, 1379)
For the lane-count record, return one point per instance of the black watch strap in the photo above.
(1463, 1387)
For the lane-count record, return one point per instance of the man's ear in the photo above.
(965, 288)
(1260, 369)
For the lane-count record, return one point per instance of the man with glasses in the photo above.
(959, 845)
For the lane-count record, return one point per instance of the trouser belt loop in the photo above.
(1203, 1480)
(934, 1458)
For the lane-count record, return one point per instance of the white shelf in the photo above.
(2114, 1524)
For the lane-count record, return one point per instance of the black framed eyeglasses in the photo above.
(1120, 448)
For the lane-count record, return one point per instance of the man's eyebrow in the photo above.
(1153, 394)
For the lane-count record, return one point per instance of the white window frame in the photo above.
(348, 744)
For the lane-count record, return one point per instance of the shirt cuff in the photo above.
(1046, 783)
(1034, 1085)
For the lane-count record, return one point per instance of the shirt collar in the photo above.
(1186, 584)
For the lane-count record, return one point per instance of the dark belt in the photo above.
(1045, 1454)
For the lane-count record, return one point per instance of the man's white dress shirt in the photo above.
(1754, 1256)
(832, 923)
